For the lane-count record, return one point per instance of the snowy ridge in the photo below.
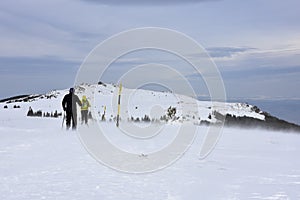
(137, 103)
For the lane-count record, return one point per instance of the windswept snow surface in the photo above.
(39, 160)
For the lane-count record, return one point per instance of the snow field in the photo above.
(38, 160)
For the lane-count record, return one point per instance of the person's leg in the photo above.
(68, 119)
(86, 116)
(74, 124)
(82, 116)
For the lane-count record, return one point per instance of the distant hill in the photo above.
(270, 122)
(19, 97)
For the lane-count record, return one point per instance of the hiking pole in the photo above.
(62, 124)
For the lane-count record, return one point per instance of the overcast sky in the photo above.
(255, 43)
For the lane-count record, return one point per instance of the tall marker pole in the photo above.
(119, 105)
(103, 115)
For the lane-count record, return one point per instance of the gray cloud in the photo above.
(221, 52)
(146, 2)
(27, 75)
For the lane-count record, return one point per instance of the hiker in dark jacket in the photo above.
(69, 105)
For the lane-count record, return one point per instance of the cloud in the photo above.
(41, 32)
(146, 2)
(222, 52)
(262, 72)
(270, 60)
(33, 65)
(22, 75)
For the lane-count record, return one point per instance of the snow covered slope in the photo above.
(136, 104)
(39, 160)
